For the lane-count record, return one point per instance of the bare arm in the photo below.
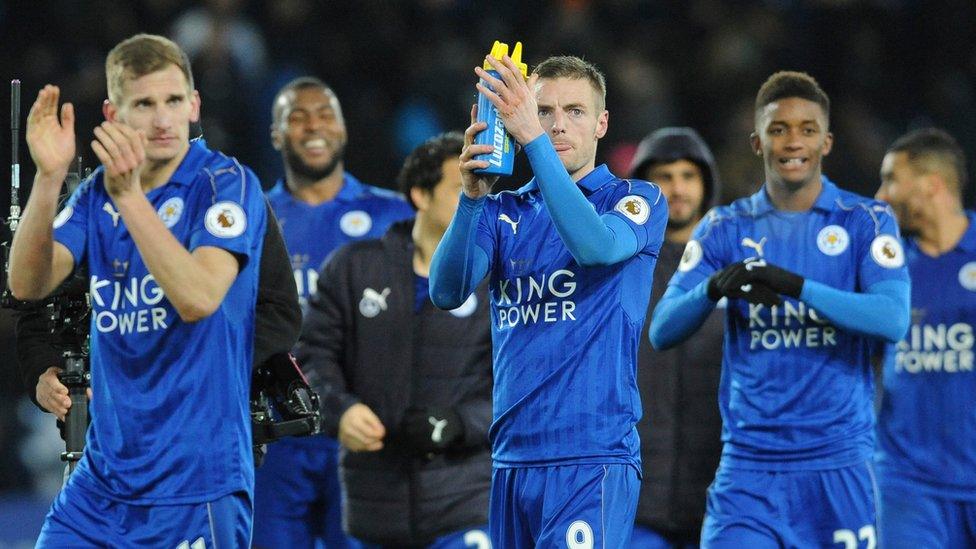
(37, 263)
(195, 283)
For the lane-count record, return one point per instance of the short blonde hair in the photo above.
(140, 55)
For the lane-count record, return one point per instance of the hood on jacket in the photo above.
(668, 145)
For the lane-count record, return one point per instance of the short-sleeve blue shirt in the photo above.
(927, 424)
(170, 419)
(311, 233)
(796, 392)
(565, 336)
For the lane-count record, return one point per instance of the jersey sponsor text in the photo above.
(514, 299)
(788, 326)
(936, 348)
(128, 307)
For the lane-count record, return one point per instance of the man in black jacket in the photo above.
(277, 323)
(405, 386)
(681, 427)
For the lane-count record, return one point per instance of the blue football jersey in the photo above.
(565, 336)
(927, 424)
(796, 392)
(311, 233)
(170, 419)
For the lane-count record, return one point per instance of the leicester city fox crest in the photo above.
(171, 211)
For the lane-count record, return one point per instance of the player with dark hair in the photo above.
(320, 207)
(171, 234)
(417, 471)
(814, 277)
(926, 455)
(570, 258)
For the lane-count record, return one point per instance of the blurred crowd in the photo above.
(403, 71)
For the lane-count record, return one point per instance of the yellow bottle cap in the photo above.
(517, 58)
(498, 50)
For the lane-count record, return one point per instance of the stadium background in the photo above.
(403, 72)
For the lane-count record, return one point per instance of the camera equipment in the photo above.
(6, 300)
(14, 219)
(69, 317)
(67, 309)
(282, 403)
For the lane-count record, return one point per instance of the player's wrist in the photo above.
(128, 198)
(540, 140)
(50, 179)
(793, 285)
(471, 203)
(716, 287)
(529, 135)
(712, 289)
(782, 281)
(473, 193)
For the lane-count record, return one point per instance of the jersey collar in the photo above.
(826, 201)
(351, 189)
(188, 169)
(597, 178)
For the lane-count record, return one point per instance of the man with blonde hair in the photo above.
(171, 234)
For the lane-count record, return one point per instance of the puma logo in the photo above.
(107, 208)
(437, 435)
(514, 224)
(373, 302)
(758, 246)
(377, 297)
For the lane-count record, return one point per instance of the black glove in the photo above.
(431, 430)
(777, 279)
(737, 281)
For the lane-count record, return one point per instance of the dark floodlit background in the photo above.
(403, 72)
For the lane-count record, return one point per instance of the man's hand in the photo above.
(360, 430)
(122, 150)
(738, 281)
(51, 394)
(514, 97)
(51, 141)
(431, 430)
(475, 185)
(776, 278)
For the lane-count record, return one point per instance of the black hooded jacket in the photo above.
(681, 427)
(392, 358)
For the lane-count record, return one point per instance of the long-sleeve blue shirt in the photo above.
(570, 269)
